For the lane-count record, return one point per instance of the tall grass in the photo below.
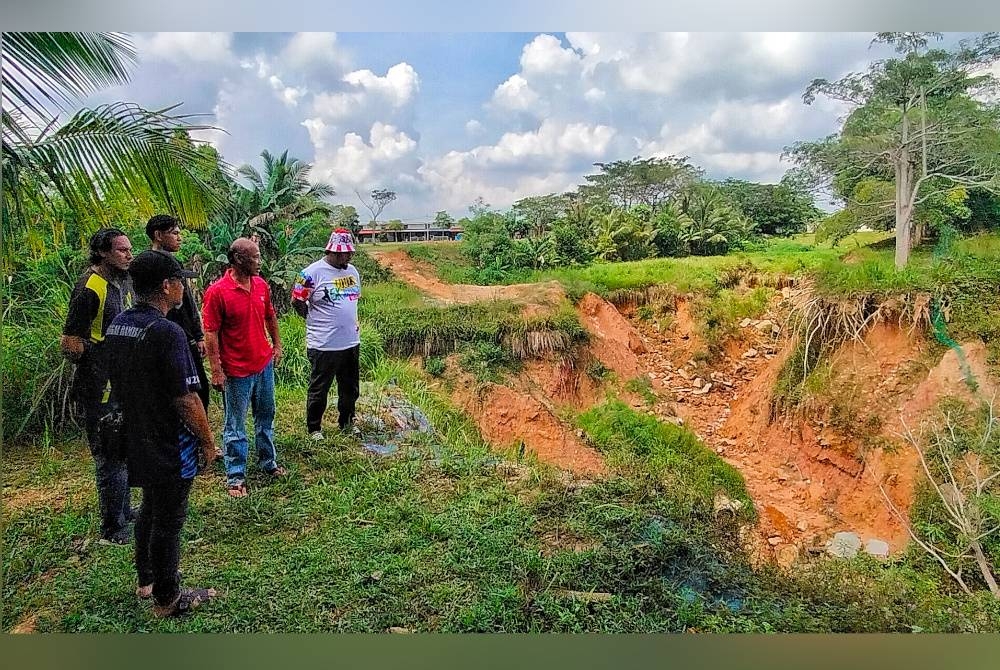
(36, 377)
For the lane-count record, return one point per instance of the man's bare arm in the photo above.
(214, 361)
(192, 412)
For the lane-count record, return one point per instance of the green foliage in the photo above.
(487, 361)
(410, 327)
(718, 316)
(434, 365)
(666, 453)
(775, 209)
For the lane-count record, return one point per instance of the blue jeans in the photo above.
(255, 392)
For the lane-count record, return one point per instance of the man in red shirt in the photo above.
(236, 313)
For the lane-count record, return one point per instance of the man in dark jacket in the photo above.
(153, 378)
(102, 293)
(164, 231)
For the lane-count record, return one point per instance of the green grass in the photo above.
(409, 325)
(444, 536)
(452, 265)
(659, 451)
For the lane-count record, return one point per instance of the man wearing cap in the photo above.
(237, 317)
(155, 382)
(102, 293)
(164, 231)
(326, 293)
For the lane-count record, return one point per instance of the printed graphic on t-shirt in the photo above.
(332, 294)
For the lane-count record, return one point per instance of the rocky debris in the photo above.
(764, 326)
(877, 548)
(724, 503)
(703, 390)
(750, 353)
(775, 540)
(844, 545)
(803, 525)
(786, 555)
(745, 323)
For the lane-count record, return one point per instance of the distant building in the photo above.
(412, 232)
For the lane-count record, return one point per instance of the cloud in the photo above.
(190, 47)
(546, 55)
(515, 94)
(307, 51)
(397, 87)
(360, 164)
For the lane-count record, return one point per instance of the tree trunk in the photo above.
(984, 567)
(904, 211)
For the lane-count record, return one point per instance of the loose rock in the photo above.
(844, 545)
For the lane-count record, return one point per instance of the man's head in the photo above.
(156, 273)
(244, 256)
(164, 231)
(340, 248)
(111, 248)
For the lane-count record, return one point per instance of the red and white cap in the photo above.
(340, 241)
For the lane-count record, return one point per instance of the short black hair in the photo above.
(161, 222)
(102, 241)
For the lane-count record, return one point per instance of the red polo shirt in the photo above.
(237, 315)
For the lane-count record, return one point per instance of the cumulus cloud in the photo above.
(314, 50)
(397, 87)
(190, 47)
(515, 94)
(360, 164)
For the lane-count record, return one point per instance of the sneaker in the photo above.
(133, 514)
(317, 436)
(121, 538)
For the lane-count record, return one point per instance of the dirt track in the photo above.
(423, 278)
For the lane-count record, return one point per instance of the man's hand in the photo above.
(211, 453)
(218, 379)
(278, 353)
(72, 347)
(201, 348)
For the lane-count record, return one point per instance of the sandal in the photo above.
(278, 472)
(187, 600)
(238, 490)
(144, 592)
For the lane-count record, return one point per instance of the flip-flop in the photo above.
(144, 591)
(187, 600)
(278, 472)
(238, 491)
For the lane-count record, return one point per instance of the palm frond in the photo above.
(45, 70)
(124, 146)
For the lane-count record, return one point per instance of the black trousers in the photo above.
(158, 537)
(327, 366)
(110, 471)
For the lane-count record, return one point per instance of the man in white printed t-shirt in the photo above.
(326, 294)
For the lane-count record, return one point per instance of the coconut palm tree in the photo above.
(117, 147)
(281, 193)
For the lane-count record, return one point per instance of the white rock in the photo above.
(844, 545)
(877, 548)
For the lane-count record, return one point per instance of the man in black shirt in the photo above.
(164, 231)
(99, 296)
(154, 379)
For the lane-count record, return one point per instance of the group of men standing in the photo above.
(135, 333)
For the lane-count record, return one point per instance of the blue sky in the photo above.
(445, 118)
